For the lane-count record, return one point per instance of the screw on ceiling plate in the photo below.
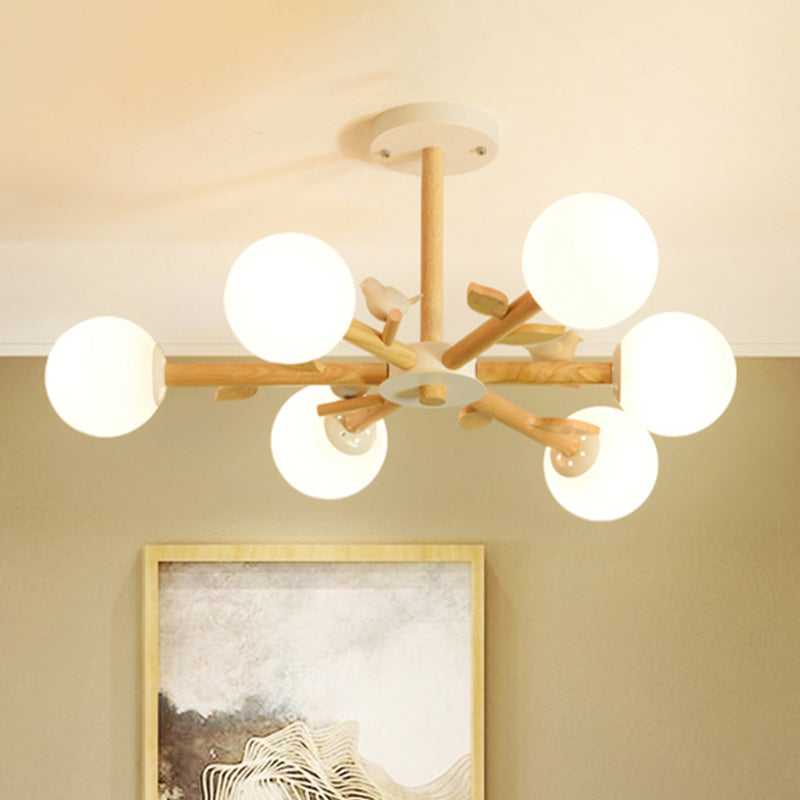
(385, 154)
(480, 150)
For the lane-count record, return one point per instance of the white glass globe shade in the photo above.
(675, 373)
(290, 298)
(621, 478)
(105, 376)
(305, 456)
(590, 260)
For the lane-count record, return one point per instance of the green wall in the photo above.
(655, 657)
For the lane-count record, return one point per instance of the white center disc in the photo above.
(402, 386)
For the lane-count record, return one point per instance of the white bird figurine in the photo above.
(562, 348)
(382, 299)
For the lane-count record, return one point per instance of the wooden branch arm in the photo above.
(533, 333)
(544, 372)
(351, 404)
(574, 427)
(512, 415)
(490, 332)
(358, 421)
(369, 339)
(470, 419)
(305, 366)
(225, 393)
(263, 374)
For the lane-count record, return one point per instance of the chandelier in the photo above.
(589, 261)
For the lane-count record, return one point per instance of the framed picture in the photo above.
(313, 672)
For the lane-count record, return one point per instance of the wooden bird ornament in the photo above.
(382, 299)
(561, 348)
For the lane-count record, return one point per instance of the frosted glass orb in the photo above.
(105, 376)
(622, 476)
(290, 298)
(590, 260)
(675, 373)
(306, 458)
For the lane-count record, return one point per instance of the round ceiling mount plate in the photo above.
(467, 135)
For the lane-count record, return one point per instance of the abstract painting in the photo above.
(313, 672)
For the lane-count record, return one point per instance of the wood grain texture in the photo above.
(155, 554)
(350, 404)
(226, 393)
(533, 333)
(391, 326)
(307, 366)
(432, 245)
(369, 339)
(432, 394)
(487, 301)
(358, 421)
(572, 427)
(544, 372)
(262, 374)
(475, 555)
(470, 419)
(524, 422)
(150, 672)
(490, 332)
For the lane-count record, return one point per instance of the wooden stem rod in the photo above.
(544, 372)
(261, 374)
(490, 332)
(512, 415)
(432, 245)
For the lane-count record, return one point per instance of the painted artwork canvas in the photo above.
(299, 674)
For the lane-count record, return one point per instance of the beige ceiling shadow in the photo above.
(239, 182)
(355, 138)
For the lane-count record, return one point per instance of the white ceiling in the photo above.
(144, 145)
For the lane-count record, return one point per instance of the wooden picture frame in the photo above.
(313, 672)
